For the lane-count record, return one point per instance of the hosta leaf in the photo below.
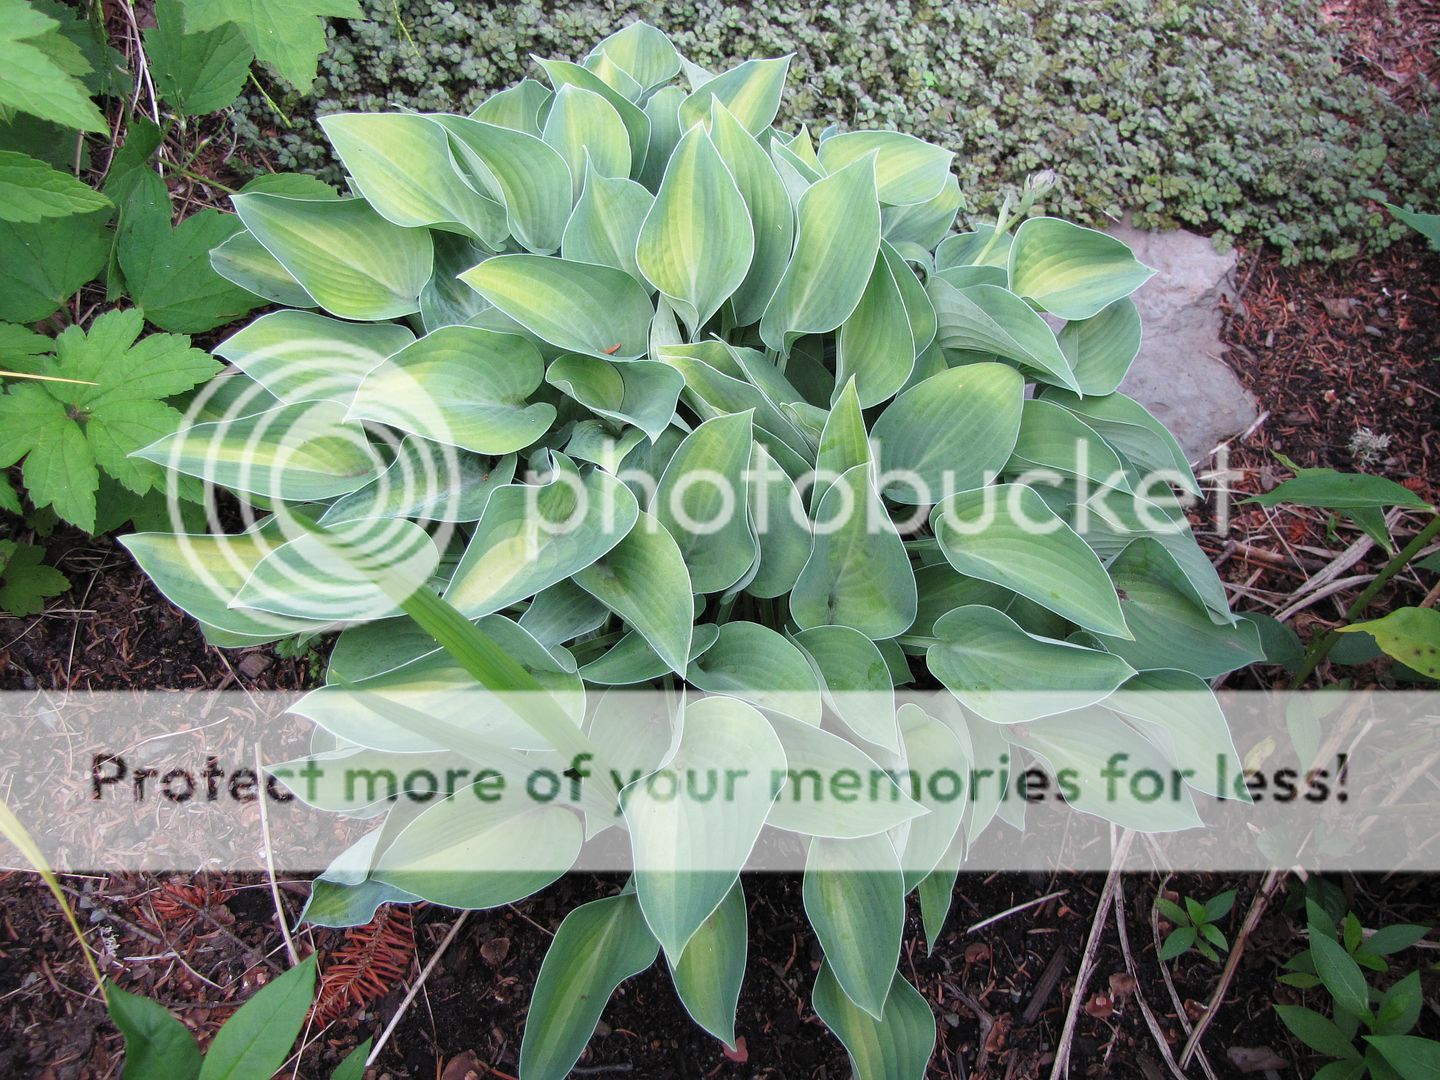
(782, 528)
(639, 392)
(562, 73)
(1409, 634)
(697, 241)
(875, 344)
(750, 91)
(858, 574)
(1178, 712)
(529, 539)
(462, 386)
(288, 36)
(938, 751)
(689, 849)
(518, 107)
(1128, 427)
(522, 846)
(446, 300)
(520, 171)
(1102, 348)
(968, 248)
(989, 319)
(709, 972)
(631, 660)
(643, 52)
(401, 163)
(896, 1047)
(1054, 440)
(562, 612)
(769, 210)
(1071, 271)
(843, 442)
(918, 308)
(926, 224)
(352, 261)
(663, 112)
(643, 579)
(856, 680)
(614, 76)
(31, 190)
(606, 223)
(256, 1040)
(1006, 534)
(302, 356)
(855, 900)
(299, 452)
(907, 170)
(597, 947)
(1007, 676)
(588, 133)
(702, 501)
(952, 432)
(754, 663)
(198, 73)
(243, 260)
(836, 242)
(577, 307)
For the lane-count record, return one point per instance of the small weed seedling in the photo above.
(1195, 926)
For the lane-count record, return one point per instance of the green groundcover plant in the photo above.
(616, 383)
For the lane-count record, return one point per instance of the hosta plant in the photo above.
(618, 382)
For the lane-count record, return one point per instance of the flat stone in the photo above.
(1179, 375)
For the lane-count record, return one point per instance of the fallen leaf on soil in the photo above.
(495, 950)
(1122, 984)
(1100, 1007)
(977, 953)
(1338, 307)
(1250, 1059)
(466, 1066)
(740, 1055)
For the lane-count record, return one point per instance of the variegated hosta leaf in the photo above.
(856, 680)
(606, 223)
(588, 133)
(858, 574)
(1071, 271)
(836, 241)
(782, 529)
(351, 260)
(855, 901)
(663, 112)
(531, 536)
(463, 386)
(1054, 440)
(697, 241)
(895, 1047)
(688, 847)
(428, 482)
(843, 442)
(302, 356)
(517, 107)
(639, 392)
(631, 661)
(989, 319)
(922, 226)
(1007, 676)
(1102, 348)
(769, 210)
(975, 248)
(577, 307)
(1179, 713)
(709, 972)
(401, 164)
(242, 259)
(702, 501)
(597, 947)
(642, 52)
(1130, 428)
(758, 665)
(561, 613)
(1006, 534)
(933, 748)
(876, 345)
(950, 433)
(750, 91)
(562, 73)
(907, 170)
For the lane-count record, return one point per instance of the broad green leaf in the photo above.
(969, 248)
(632, 661)
(351, 260)
(301, 452)
(522, 847)
(907, 170)
(1128, 427)
(1169, 629)
(702, 501)
(243, 260)
(256, 1041)
(709, 972)
(875, 343)
(462, 386)
(38, 78)
(855, 900)
(782, 528)
(639, 392)
(606, 223)
(1070, 271)
(1007, 676)
(952, 432)
(858, 574)
(168, 272)
(427, 482)
(697, 241)
(663, 112)
(1053, 440)
(1006, 534)
(562, 73)
(614, 76)
(402, 164)
(298, 185)
(588, 133)
(918, 308)
(1411, 1056)
(1427, 225)
(302, 356)
(1178, 712)
(758, 665)
(643, 52)
(518, 170)
(1101, 349)
(838, 236)
(1409, 634)
(446, 300)
(896, 1047)
(990, 320)
(198, 73)
(577, 307)
(1317, 1032)
(31, 190)
(288, 36)
(856, 681)
(518, 107)
(156, 1043)
(750, 91)
(769, 210)
(25, 583)
(941, 590)
(843, 442)
(689, 848)
(1341, 975)
(43, 264)
(597, 947)
(353, 1067)
(643, 579)
(531, 537)
(943, 760)
(1333, 490)
(926, 224)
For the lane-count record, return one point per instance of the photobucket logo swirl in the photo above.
(269, 449)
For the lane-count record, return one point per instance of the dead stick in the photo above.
(1150, 1021)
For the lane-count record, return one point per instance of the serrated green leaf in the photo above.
(25, 583)
(31, 190)
(33, 80)
(168, 272)
(286, 35)
(200, 72)
(43, 264)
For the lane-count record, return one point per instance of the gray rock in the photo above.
(1179, 375)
